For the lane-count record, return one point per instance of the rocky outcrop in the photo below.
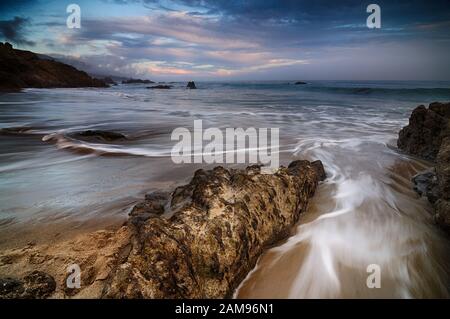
(428, 136)
(24, 69)
(425, 131)
(191, 85)
(200, 241)
(138, 81)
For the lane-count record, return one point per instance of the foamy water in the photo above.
(365, 213)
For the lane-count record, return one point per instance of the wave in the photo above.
(63, 141)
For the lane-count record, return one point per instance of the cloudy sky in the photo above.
(239, 40)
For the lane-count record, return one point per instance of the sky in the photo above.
(225, 40)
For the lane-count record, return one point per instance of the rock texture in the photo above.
(428, 136)
(24, 69)
(200, 241)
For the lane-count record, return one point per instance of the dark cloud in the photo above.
(14, 30)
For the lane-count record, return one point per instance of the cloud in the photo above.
(14, 30)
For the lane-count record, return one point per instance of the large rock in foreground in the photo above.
(198, 242)
(24, 69)
(428, 136)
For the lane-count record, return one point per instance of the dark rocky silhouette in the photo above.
(300, 83)
(428, 136)
(160, 87)
(133, 81)
(191, 85)
(24, 69)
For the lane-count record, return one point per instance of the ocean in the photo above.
(56, 181)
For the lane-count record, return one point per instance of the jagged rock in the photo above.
(191, 85)
(428, 136)
(25, 69)
(423, 135)
(223, 221)
(200, 241)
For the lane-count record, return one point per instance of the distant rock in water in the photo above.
(191, 85)
(132, 81)
(98, 135)
(300, 83)
(25, 69)
(428, 136)
(161, 87)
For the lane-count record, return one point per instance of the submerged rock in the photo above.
(139, 81)
(161, 87)
(191, 85)
(428, 136)
(300, 83)
(98, 135)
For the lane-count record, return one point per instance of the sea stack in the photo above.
(191, 85)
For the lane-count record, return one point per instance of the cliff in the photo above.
(24, 69)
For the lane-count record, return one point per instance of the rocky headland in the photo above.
(25, 69)
(428, 136)
(199, 241)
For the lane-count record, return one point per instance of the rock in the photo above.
(428, 136)
(163, 87)
(24, 69)
(98, 135)
(11, 288)
(200, 241)
(38, 284)
(153, 205)
(423, 135)
(133, 81)
(425, 184)
(222, 222)
(300, 83)
(191, 85)
(34, 285)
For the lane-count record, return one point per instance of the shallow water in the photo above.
(364, 213)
